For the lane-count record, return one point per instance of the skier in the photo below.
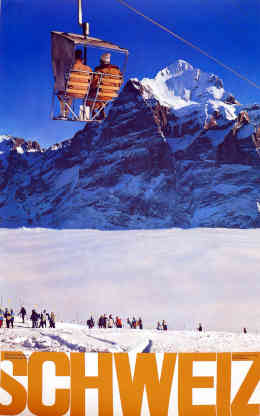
(159, 327)
(22, 313)
(244, 330)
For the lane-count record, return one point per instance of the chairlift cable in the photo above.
(239, 75)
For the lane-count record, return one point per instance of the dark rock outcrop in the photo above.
(148, 165)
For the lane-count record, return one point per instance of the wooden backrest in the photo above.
(78, 83)
(109, 84)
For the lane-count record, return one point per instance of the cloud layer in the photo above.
(183, 276)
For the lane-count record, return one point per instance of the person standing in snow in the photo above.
(134, 323)
(52, 320)
(1, 317)
(34, 318)
(110, 323)
(100, 322)
(129, 322)
(43, 319)
(140, 323)
(164, 325)
(22, 313)
(118, 322)
(91, 322)
(12, 318)
(244, 330)
(199, 327)
(7, 317)
(159, 327)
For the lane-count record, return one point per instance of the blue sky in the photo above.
(226, 29)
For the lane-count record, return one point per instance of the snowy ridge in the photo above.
(180, 85)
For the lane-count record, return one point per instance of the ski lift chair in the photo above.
(83, 94)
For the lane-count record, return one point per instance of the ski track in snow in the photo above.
(68, 337)
(72, 337)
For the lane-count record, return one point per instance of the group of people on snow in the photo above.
(162, 326)
(7, 315)
(39, 320)
(105, 321)
(135, 323)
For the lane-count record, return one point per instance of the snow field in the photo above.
(68, 337)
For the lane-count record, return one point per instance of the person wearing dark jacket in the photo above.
(8, 317)
(164, 325)
(140, 323)
(34, 318)
(134, 323)
(129, 322)
(22, 313)
(12, 318)
(199, 327)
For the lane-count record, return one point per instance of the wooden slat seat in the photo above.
(77, 91)
(108, 84)
(78, 83)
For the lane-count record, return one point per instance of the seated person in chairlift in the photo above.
(109, 84)
(74, 83)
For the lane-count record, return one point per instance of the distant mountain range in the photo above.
(174, 151)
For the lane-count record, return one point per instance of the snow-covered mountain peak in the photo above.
(180, 84)
(174, 70)
(11, 143)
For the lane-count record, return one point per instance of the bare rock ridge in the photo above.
(174, 151)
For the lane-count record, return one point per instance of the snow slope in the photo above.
(69, 337)
(76, 338)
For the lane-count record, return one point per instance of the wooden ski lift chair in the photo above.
(83, 94)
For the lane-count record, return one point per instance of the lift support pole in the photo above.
(84, 25)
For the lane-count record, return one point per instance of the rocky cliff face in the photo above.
(171, 153)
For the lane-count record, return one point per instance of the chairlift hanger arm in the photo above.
(84, 25)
